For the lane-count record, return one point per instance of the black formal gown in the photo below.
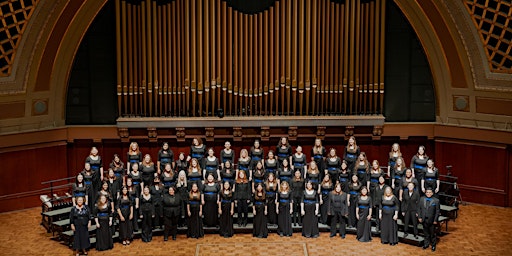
(210, 166)
(104, 232)
(168, 179)
(318, 155)
(310, 220)
(325, 189)
(260, 229)
(362, 173)
(90, 189)
(354, 192)
(333, 166)
(148, 173)
(388, 226)
(165, 157)
(298, 162)
(297, 191)
(195, 222)
(271, 166)
(172, 212)
(396, 177)
(284, 219)
(210, 207)
(147, 211)
(227, 156)
(350, 156)
(226, 219)
(430, 178)
(198, 153)
(256, 156)
(364, 226)
(80, 218)
(125, 205)
(271, 203)
(283, 152)
(419, 165)
(344, 178)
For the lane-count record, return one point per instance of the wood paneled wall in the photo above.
(194, 57)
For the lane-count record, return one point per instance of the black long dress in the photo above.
(90, 189)
(195, 223)
(147, 211)
(344, 179)
(283, 152)
(165, 157)
(260, 229)
(318, 156)
(284, 219)
(271, 203)
(297, 190)
(104, 232)
(430, 178)
(125, 205)
(362, 172)
(168, 179)
(198, 153)
(96, 165)
(210, 210)
(389, 227)
(364, 226)
(298, 162)
(396, 176)
(148, 173)
(310, 220)
(79, 190)
(172, 212)
(226, 219)
(354, 192)
(325, 189)
(228, 174)
(256, 156)
(210, 167)
(271, 166)
(227, 156)
(80, 218)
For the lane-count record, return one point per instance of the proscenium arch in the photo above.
(442, 73)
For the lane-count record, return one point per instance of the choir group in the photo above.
(281, 187)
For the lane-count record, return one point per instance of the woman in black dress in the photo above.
(351, 152)
(309, 210)
(227, 154)
(388, 214)
(90, 189)
(299, 161)
(103, 218)
(313, 174)
(271, 188)
(182, 190)
(344, 176)
(333, 165)
(271, 164)
(376, 194)
(244, 164)
(125, 213)
(147, 213)
(97, 167)
(134, 193)
(285, 173)
(165, 156)
(148, 171)
(210, 200)
(284, 210)
(114, 186)
(397, 172)
(337, 204)
(394, 154)
(430, 178)
(195, 174)
(406, 179)
(79, 189)
(197, 151)
(324, 189)
(118, 167)
(354, 188)
(181, 164)
(259, 210)
(258, 175)
(318, 154)
(363, 205)
(297, 186)
(284, 150)
(362, 169)
(157, 192)
(80, 220)
(211, 165)
(194, 212)
(226, 210)
(242, 197)
(168, 176)
(256, 154)
(227, 174)
(134, 155)
(172, 203)
(419, 163)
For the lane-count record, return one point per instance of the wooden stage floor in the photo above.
(479, 230)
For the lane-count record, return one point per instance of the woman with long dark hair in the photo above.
(388, 214)
(259, 210)
(125, 213)
(309, 210)
(226, 210)
(284, 210)
(363, 205)
(172, 203)
(194, 212)
(337, 205)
